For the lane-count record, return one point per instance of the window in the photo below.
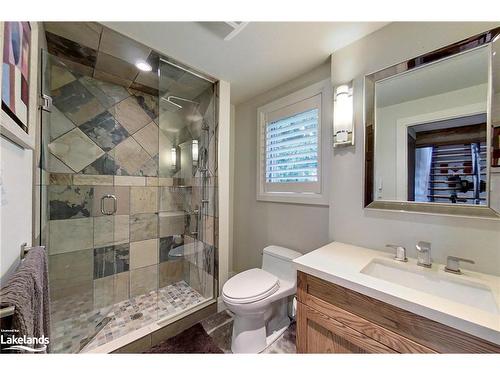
(290, 147)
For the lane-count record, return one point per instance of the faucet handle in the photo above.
(400, 252)
(453, 264)
(423, 246)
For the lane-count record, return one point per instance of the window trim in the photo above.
(324, 89)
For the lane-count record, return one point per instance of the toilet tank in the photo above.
(278, 261)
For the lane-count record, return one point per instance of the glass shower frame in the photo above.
(195, 258)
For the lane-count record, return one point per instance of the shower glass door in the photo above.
(78, 210)
(187, 187)
(128, 192)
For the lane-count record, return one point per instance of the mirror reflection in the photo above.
(431, 132)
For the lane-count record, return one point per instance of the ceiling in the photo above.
(458, 72)
(262, 56)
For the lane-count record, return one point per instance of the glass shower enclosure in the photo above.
(128, 199)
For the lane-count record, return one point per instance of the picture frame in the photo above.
(18, 112)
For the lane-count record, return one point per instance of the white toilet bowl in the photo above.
(259, 299)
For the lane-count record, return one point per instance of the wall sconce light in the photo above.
(194, 150)
(173, 157)
(343, 116)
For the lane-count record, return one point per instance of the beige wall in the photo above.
(477, 239)
(258, 224)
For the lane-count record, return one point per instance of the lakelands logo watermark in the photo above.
(10, 341)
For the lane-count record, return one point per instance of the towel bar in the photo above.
(7, 311)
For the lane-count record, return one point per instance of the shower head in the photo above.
(170, 98)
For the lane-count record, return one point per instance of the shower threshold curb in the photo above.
(146, 330)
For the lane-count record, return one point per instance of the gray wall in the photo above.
(258, 224)
(477, 239)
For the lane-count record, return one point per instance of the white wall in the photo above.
(17, 192)
(478, 239)
(15, 203)
(390, 167)
(256, 223)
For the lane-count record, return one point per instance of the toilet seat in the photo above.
(250, 286)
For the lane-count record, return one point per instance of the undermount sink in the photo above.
(435, 283)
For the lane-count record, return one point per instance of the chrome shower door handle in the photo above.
(103, 199)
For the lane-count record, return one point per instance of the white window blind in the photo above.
(292, 148)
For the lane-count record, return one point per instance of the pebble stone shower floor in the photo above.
(124, 317)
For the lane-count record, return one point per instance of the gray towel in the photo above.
(28, 291)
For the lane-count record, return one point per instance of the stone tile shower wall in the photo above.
(104, 139)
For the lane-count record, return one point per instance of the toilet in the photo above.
(260, 299)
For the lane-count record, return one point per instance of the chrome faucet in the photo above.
(424, 254)
(400, 253)
(453, 264)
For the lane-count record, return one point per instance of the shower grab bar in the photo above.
(108, 196)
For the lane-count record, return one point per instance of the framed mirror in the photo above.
(432, 131)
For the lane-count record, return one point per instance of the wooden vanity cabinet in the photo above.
(334, 319)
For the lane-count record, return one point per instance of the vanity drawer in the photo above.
(399, 329)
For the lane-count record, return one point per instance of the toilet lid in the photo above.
(250, 286)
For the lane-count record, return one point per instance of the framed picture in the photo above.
(18, 82)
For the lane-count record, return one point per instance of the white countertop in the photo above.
(341, 264)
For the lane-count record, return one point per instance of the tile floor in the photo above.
(220, 326)
(124, 317)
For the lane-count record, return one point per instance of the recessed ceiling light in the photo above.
(144, 66)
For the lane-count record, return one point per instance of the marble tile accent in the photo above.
(113, 65)
(83, 33)
(167, 244)
(104, 291)
(105, 131)
(143, 253)
(122, 47)
(59, 124)
(150, 167)
(152, 181)
(112, 289)
(57, 166)
(111, 230)
(86, 179)
(122, 286)
(112, 78)
(143, 280)
(208, 229)
(170, 272)
(149, 103)
(70, 270)
(65, 48)
(130, 181)
(143, 200)
(130, 115)
(76, 102)
(143, 226)
(105, 165)
(172, 224)
(75, 149)
(129, 156)
(122, 195)
(70, 235)
(165, 181)
(60, 179)
(147, 137)
(110, 260)
(106, 93)
(67, 202)
(171, 199)
(59, 76)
